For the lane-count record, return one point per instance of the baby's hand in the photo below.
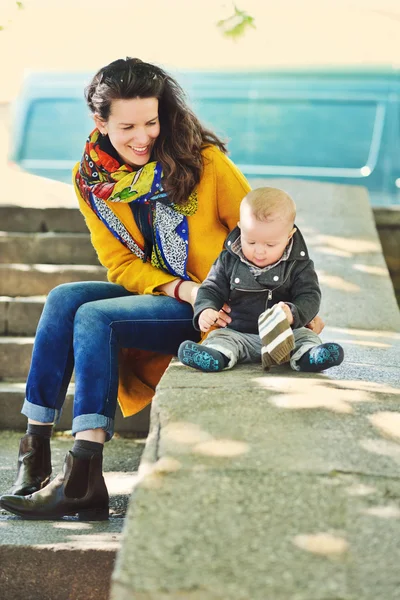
(208, 318)
(287, 311)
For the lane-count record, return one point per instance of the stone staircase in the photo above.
(39, 249)
(75, 560)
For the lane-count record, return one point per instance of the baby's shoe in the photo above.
(201, 357)
(321, 357)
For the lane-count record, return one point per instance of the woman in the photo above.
(159, 197)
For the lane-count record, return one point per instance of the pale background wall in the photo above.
(85, 34)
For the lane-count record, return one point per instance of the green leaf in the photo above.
(237, 24)
(20, 5)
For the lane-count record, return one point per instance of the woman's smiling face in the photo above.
(132, 127)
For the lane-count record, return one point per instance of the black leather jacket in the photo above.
(230, 280)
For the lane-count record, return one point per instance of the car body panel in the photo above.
(328, 125)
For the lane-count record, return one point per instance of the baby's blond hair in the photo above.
(269, 204)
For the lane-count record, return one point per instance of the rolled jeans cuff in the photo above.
(94, 421)
(40, 413)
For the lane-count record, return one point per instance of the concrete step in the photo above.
(12, 395)
(20, 316)
(19, 218)
(38, 279)
(15, 357)
(47, 248)
(66, 559)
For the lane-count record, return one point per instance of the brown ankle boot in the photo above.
(34, 465)
(80, 488)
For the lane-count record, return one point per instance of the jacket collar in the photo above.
(299, 249)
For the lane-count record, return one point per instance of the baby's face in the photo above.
(263, 242)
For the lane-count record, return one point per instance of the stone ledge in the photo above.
(281, 485)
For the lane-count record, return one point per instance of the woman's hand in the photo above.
(316, 325)
(210, 317)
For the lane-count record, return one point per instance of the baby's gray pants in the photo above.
(246, 347)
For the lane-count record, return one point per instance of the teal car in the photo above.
(340, 126)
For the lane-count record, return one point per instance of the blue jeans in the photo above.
(83, 325)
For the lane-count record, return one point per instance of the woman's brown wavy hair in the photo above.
(182, 136)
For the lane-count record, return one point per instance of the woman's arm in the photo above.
(187, 291)
(123, 267)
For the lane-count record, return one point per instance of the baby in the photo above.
(266, 282)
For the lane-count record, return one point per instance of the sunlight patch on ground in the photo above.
(333, 251)
(354, 246)
(385, 512)
(370, 343)
(106, 542)
(151, 474)
(221, 447)
(73, 526)
(185, 433)
(200, 441)
(166, 464)
(331, 402)
(319, 393)
(120, 483)
(304, 385)
(388, 423)
(150, 480)
(337, 283)
(359, 489)
(366, 333)
(325, 544)
(372, 270)
(368, 386)
(382, 447)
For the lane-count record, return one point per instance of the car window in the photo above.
(305, 133)
(47, 118)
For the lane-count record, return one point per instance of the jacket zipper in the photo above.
(252, 291)
(269, 298)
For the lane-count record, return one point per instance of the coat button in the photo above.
(229, 243)
(276, 278)
(237, 280)
(302, 253)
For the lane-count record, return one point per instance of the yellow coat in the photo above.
(220, 191)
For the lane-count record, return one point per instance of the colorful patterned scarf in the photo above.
(101, 179)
